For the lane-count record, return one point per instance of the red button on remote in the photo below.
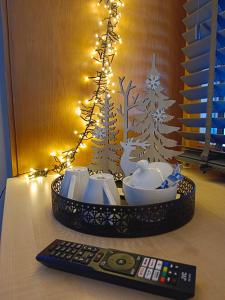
(162, 279)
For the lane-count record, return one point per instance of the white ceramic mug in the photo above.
(74, 183)
(101, 189)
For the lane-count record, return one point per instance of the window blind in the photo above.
(204, 81)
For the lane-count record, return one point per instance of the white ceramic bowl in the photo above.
(140, 196)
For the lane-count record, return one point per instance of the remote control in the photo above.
(149, 274)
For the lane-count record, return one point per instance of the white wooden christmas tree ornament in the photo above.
(105, 157)
(151, 122)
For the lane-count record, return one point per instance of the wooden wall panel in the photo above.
(50, 43)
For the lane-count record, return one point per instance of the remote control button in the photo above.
(62, 243)
(170, 273)
(138, 258)
(86, 261)
(94, 249)
(76, 258)
(68, 250)
(165, 269)
(63, 248)
(159, 265)
(81, 259)
(166, 264)
(80, 252)
(175, 274)
(133, 271)
(73, 251)
(85, 247)
(57, 248)
(52, 253)
(121, 262)
(145, 262)
(98, 257)
(176, 267)
(171, 266)
(173, 281)
(69, 256)
(63, 255)
(57, 254)
(155, 276)
(90, 255)
(162, 279)
(152, 263)
(78, 246)
(141, 272)
(168, 279)
(148, 273)
(103, 263)
(73, 245)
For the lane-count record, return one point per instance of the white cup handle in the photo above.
(108, 194)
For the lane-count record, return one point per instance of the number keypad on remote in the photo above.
(73, 252)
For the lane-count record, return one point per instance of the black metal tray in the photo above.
(125, 220)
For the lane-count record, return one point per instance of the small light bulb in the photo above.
(100, 23)
(75, 132)
(53, 153)
(78, 111)
(86, 78)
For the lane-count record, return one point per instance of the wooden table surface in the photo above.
(28, 226)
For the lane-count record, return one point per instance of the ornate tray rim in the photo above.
(185, 205)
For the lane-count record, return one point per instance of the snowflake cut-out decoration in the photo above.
(159, 115)
(152, 82)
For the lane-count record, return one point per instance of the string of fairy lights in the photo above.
(103, 54)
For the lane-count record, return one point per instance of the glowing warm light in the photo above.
(102, 54)
(78, 111)
(83, 146)
(40, 179)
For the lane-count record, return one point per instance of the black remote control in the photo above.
(149, 274)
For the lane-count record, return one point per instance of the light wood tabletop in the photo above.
(29, 226)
